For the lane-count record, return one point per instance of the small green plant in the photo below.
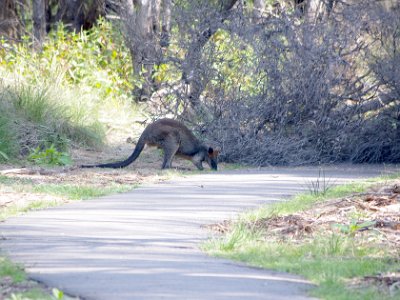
(4, 156)
(50, 156)
(354, 226)
(320, 186)
(58, 294)
(33, 294)
(234, 238)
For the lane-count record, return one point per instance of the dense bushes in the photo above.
(94, 59)
(289, 90)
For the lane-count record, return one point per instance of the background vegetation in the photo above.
(270, 82)
(64, 95)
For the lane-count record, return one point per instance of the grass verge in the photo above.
(13, 277)
(29, 194)
(46, 195)
(330, 259)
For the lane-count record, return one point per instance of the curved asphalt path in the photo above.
(144, 244)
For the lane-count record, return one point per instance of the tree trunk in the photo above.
(142, 19)
(9, 21)
(166, 23)
(78, 14)
(70, 13)
(319, 9)
(39, 22)
(192, 61)
(258, 9)
(92, 11)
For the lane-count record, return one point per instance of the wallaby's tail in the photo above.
(122, 164)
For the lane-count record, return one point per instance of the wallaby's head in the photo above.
(207, 154)
(212, 157)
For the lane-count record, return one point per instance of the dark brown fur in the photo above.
(175, 139)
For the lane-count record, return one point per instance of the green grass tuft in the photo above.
(80, 192)
(34, 294)
(61, 192)
(324, 261)
(306, 200)
(9, 269)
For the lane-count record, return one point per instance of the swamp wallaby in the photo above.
(175, 139)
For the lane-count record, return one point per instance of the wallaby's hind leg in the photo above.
(170, 147)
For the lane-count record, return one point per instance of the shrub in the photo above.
(95, 59)
(50, 156)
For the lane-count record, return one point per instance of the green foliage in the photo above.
(8, 144)
(354, 226)
(61, 191)
(96, 59)
(325, 260)
(58, 294)
(165, 73)
(4, 156)
(59, 95)
(17, 274)
(33, 294)
(17, 297)
(7, 268)
(239, 235)
(45, 114)
(50, 156)
(34, 103)
(234, 62)
(10, 181)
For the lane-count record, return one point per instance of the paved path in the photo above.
(144, 244)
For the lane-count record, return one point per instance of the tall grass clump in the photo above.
(40, 116)
(8, 143)
(64, 94)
